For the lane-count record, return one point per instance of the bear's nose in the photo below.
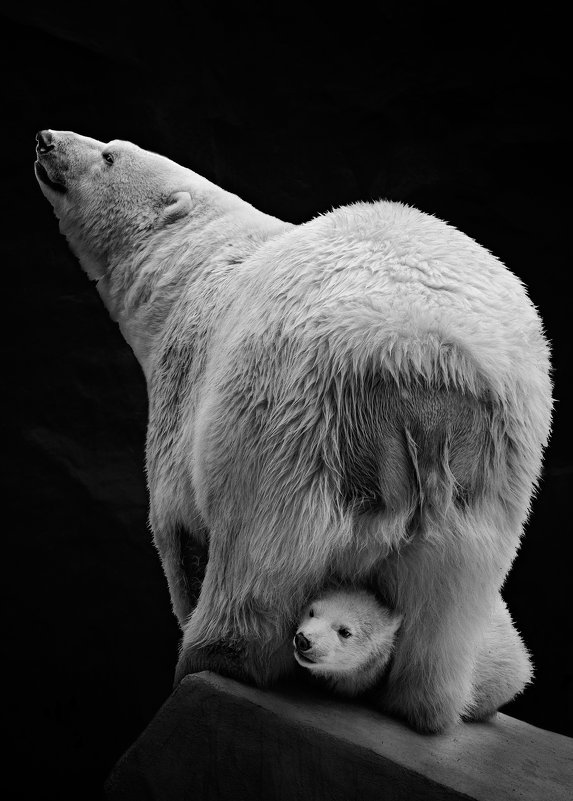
(302, 644)
(45, 140)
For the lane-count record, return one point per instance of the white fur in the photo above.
(502, 666)
(352, 665)
(365, 396)
(351, 637)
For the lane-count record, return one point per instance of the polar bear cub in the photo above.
(346, 637)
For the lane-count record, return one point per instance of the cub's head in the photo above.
(343, 631)
(110, 198)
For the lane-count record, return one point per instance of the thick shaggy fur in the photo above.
(348, 638)
(345, 638)
(365, 397)
(502, 668)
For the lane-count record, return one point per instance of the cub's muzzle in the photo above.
(301, 643)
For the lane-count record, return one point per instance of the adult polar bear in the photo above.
(365, 396)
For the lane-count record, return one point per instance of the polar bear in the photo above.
(362, 398)
(346, 637)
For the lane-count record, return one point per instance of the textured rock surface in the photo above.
(216, 739)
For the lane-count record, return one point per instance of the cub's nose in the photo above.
(45, 140)
(302, 644)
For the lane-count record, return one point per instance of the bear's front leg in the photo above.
(236, 638)
(247, 659)
(446, 592)
(183, 554)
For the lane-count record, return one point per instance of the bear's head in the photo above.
(343, 631)
(111, 198)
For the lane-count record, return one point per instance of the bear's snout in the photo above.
(52, 161)
(301, 643)
(45, 140)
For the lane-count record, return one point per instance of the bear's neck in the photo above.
(141, 291)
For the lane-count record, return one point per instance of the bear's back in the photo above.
(377, 275)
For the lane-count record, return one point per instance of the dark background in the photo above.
(462, 116)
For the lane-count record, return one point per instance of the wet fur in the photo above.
(365, 396)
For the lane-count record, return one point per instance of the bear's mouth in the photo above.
(304, 658)
(42, 175)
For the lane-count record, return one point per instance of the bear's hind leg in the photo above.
(445, 591)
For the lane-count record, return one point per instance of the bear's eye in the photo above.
(345, 633)
(311, 613)
(108, 158)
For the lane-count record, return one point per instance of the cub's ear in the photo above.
(178, 205)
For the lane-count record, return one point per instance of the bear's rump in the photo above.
(414, 458)
(406, 441)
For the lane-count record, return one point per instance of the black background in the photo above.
(461, 115)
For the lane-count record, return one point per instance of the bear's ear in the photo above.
(178, 205)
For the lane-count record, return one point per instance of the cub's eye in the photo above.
(311, 613)
(108, 158)
(345, 633)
